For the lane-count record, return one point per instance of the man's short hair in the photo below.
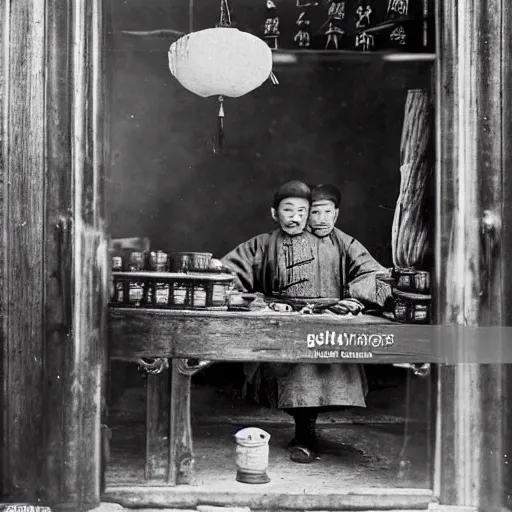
(294, 188)
(326, 192)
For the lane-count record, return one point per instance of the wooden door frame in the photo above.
(473, 71)
(54, 251)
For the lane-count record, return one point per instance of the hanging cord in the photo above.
(190, 16)
(225, 14)
(225, 21)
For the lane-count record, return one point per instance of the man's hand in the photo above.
(216, 264)
(346, 306)
(353, 305)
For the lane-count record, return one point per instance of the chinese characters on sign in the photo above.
(399, 35)
(271, 29)
(334, 31)
(364, 41)
(400, 7)
(397, 9)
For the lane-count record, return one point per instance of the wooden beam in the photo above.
(23, 177)
(506, 241)
(260, 499)
(54, 272)
(76, 255)
(3, 147)
(469, 255)
(231, 336)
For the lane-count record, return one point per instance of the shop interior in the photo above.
(330, 119)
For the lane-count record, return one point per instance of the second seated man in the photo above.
(296, 261)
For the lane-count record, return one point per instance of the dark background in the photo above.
(339, 123)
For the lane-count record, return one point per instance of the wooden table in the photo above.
(240, 336)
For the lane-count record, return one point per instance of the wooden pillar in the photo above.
(23, 171)
(54, 271)
(506, 240)
(472, 253)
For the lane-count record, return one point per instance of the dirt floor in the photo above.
(388, 444)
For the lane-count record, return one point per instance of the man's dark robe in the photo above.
(340, 266)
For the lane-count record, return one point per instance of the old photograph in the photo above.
(255, 255)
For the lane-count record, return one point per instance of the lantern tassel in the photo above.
(274, 79)
(221, 121)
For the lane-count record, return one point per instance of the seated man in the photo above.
(346, 270)
(292, 262)
(279, 262)
(349, 269)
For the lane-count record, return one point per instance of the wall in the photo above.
(339, 124)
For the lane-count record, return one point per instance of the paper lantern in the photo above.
(220, 62)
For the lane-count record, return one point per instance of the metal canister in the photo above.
(136, 292)
(401, 310)
(136, 262)
(199, 295)
(117, 296)
(422, 281)
(158, 293)
(181, 294)
(116, 290)
(420, 313)
(252, 453)
(117, 263)
(411, 307)
(405, 280)
(137, 287)
(162, 294)
(158, 261)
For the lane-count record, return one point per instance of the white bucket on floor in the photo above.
(252, 451)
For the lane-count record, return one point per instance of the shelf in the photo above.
(293, 57)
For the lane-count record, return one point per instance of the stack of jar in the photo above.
(411, 294)
(146, 280)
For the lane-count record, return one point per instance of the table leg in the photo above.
(181, 470)
(158, 426)
(169, 454)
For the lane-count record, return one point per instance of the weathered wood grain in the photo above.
(470, 275)
(54, 293)
(181, 457)
(249, 337)
(158, 418)
(58, 245)
(3, 148)
(506, 241)
(76, 478)
(446, 159)
(349, 500)
(24, 175)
